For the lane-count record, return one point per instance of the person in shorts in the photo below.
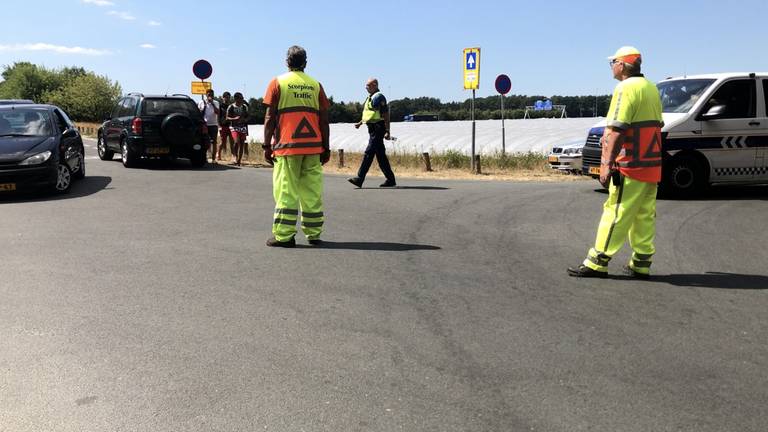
(224, 132)
(237, 114)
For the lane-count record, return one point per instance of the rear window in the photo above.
(169, 106)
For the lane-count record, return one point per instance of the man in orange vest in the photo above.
(297, 120)
(630, 168)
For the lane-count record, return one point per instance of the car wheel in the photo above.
(104, 152)
(683, 177)
(63, 179)
(79, 172)
(127, 155)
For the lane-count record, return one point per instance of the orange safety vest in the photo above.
(298, 116)
(640, 156)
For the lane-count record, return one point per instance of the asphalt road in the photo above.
(146, 301)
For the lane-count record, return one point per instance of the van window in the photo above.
(679, 96)
(738, 96)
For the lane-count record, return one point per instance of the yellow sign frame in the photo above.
(200, 87)
(471, 76)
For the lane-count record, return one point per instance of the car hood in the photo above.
(13, 149)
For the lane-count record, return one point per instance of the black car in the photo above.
(40, 147)
(154, 126)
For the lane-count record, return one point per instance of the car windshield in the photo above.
(679, 96)
(25, 122)
(169, 106)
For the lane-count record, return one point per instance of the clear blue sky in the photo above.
(413, 47)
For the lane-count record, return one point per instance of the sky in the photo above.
(413, 47)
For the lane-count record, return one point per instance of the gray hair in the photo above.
(296, 58)
(633, 69)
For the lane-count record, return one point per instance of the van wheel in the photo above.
(104, 152)
(683, 177)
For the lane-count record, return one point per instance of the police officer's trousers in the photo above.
(629, 212)
(297, 184)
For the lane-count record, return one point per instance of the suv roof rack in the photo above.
(179, 94)
(136, 94)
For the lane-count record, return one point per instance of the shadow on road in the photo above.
(714, 280)
(408, 188)
(372, 246)
(80, 188)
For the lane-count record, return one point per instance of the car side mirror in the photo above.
(69, 133)
(714, 112)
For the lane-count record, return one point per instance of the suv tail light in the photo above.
(203, 128)
(136, 126)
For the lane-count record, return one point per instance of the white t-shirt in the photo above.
(209, 115)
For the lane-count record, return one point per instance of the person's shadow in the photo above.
(371, 246)
(406, 188)
(713, 280)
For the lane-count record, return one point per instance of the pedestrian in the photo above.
(210, 109)
(376, 118)
(297, 119)
(224, 132)
(630, 167)
(237, 115)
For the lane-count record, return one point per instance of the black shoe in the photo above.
(388, 184)
(586, 272)
(273, 242)
(628, 271)
(315, 242)
(356, 181)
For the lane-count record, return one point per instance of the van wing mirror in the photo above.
(714, 112)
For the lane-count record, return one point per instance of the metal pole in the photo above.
(473, 130)
(503, 132)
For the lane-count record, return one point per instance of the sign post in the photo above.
(202, 70)
(471, 59)
(503, 86)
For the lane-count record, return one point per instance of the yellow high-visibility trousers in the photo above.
(629, 212)
(297, 185)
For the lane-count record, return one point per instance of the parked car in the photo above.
(154, 126)
(566, 158)
(715, 131)
(40, 147)
(15, 101)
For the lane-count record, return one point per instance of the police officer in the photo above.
(630, 168)
(376, 118)
(297, 119)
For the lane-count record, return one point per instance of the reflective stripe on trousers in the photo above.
(628, 213)
(297, 185)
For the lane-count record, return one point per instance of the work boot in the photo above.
(388, 183)
(586, 272)
(628, 271)
(273, 242)
(315, 242)
(356, 181)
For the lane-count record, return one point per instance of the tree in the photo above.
(86, 97)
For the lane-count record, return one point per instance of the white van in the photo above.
(715, 131)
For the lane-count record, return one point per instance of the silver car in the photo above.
(566, 158)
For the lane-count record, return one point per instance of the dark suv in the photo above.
(154, 126)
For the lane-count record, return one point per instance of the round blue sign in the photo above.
(202, 69)
(503, 84)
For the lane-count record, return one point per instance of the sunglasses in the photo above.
(614, 61)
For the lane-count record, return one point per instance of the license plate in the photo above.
(552, 159)
(7, 187)
(594, 170)
(158, 150)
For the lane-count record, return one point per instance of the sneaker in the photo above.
(356, 181)
(628, 271)
(273, 242)
(315, 242)
(388, 184)
(586, 272)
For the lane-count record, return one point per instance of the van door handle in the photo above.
(754, 123)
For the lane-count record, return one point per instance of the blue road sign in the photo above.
(503, 84)
(471, 61)
(202, 69)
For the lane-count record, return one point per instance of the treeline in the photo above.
(84, 95)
